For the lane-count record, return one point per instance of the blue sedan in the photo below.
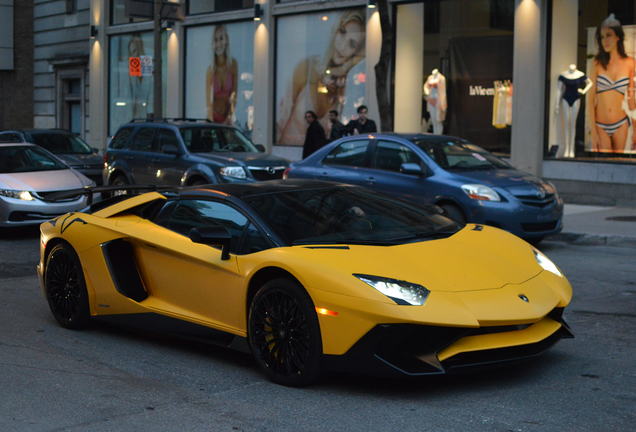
(467, 182)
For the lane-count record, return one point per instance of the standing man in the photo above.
(338, 130)
(315, 136)
(362, 124)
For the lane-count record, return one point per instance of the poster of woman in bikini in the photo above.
(611, 103)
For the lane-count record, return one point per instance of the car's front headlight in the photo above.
(21, 195)
(546, 263)
(481, 192)
(401, 292)
(233, 172)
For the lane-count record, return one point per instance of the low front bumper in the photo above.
(408, 349)
(15, 212)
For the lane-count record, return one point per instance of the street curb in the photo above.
(585, 239)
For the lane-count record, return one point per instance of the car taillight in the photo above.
(286, 172)
(105, 158)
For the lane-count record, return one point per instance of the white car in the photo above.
(29, 175)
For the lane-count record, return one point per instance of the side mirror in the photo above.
(411, 168)
(261, 148)
(213, 236)
(170, 149)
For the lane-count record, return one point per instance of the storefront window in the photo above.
(206, 6)
(320, 66)
(131, 80)
(468, 53)
(592, 104)
(219, 74)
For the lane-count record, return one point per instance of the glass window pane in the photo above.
(391, 155)
(131, 80)
(351, 153)
(204, 6)
(122, 139)
(320, 66)
(119, 12)
(219, 74)
(143, 139)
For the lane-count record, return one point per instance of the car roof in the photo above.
(244, 190)
(177, 122)
(417, 136)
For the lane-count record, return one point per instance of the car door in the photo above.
(189, 279)
(168, 168)
(387, 157)
(140, 156)
(346, 163)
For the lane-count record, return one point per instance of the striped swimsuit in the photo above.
(604, 84)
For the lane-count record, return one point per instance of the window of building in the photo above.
(207, 6)
(320, 66)
(126, 11)
(131, 77)
(219, 65)
(470, 44)
(601, 64)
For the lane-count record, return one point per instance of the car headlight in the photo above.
(546, 263)
(233, 172)
(401, 292)
(481, 192)
(21, 195)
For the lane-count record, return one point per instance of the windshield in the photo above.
(215, 139)
(61, 143)
(17, 159)
(460, 155)
(347, 215)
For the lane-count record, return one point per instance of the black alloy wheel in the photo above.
(284, 333)
(65, 288)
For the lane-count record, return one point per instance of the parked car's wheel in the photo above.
(284, 334)
(119, 181)
(65, 287)
(454, 212)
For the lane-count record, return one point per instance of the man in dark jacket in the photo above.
(338, 130)
(315, 137)
(362, 124)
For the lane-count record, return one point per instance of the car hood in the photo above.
(250, 159)
(81, 160)
(506, 178)
(44, 180)
(470, 260)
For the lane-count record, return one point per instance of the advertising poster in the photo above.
(131, 82)
(219, 74)
(320, 66)
(610, 104)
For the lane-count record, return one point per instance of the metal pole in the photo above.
(156, 72)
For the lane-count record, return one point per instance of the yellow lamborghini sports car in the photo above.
(308, 276)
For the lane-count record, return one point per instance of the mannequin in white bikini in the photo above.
(571, 86)
(435, 94)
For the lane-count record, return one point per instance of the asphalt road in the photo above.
(111, 378)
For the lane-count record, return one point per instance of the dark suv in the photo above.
(186, 152)
(63, 144)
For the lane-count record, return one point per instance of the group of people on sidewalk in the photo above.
(315, 137)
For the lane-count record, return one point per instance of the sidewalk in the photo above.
(594, 225)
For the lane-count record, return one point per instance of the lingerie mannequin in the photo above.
(571, 86)
(435, 95)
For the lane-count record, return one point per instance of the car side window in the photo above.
(350, 153)
(390, 156)
(191, 213)
(10, 138)
(122, 139)
(166, 136)
(143, 139)
(201, 139)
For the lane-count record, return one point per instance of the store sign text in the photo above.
(480, 91)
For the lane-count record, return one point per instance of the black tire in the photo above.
(65, 288)
(198, 182)
(284, 334)
(453, 212)
(119, 181)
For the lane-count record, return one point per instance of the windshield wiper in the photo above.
(425, 235)
(339, 242)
